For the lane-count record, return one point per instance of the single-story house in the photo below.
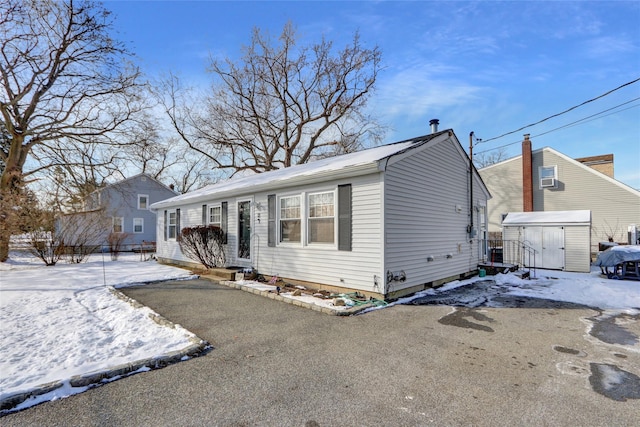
(386, 221)
(561, 239)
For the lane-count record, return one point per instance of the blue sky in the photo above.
(487, 67)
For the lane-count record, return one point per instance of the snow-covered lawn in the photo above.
(64, 321)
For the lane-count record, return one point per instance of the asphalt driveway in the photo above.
(276, 364)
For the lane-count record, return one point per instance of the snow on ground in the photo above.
(592, 289)
(57, 322)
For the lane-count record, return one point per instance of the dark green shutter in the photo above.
(166, 216)
(271, 220)
(178, 230)
(224, 214)
(344, 217)
(204, 214)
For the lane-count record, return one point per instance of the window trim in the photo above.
(119, 219)
(147, 202)
(141, 225)
(209, 209)
(171, 225)
(308, 218)
(279, 218)
(541, 177)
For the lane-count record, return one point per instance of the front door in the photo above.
(244, 229)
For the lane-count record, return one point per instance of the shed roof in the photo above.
(332, 167)
(548, 217)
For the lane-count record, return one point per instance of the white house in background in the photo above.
(546, 180)
(561, 239)
(386, 221)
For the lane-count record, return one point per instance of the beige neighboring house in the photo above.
(546, 180)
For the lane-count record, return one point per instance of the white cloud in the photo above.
(417, 91)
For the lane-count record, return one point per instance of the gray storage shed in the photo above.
(561, 239)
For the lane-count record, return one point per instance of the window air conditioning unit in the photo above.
(547, 182)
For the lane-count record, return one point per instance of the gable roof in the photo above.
(122, 181)
(570, 160)
(345, 165)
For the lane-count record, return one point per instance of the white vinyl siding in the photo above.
(322, 263)
(427, 213)
(577, 253)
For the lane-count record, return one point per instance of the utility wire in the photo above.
(577, 122)
(563, 112)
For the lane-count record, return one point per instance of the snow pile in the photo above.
(59, 322)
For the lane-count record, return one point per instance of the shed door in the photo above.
(548, 242)
(553, 248)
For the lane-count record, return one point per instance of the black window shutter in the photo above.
(165, 224)
(204, 214)
(224, 213)
(344, 217)
(178, 230)
(271, 218)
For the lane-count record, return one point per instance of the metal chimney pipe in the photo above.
(434, 125)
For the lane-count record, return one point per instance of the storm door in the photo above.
(244, 229)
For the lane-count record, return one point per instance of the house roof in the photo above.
(548, 217)
(122, 181)
(568, 159)
(346, 165)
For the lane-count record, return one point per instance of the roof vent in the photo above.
(434, 125)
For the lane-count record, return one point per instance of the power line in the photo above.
(577, 122)
(563, 112)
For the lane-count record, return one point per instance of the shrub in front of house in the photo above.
(205, 244)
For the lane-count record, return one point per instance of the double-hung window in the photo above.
(215, 215)
(143, 201)
(171, 225)
(118, 224)
(321, 219)
(290, 220)
(138, 225)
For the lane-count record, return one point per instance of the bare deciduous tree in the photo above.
(282, 104)
(488, 158)
(65, 80)
(81, 234)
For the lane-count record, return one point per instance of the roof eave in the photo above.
(315, 178)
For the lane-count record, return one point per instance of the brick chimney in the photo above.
(527, 175)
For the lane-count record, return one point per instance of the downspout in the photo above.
(470, 228)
